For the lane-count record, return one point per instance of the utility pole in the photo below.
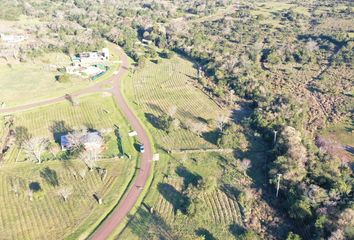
(275, 137)
(278, 184)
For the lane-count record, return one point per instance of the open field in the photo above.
(215, 209)
(159, 87)
(156, 88)
(47, 216)
(34, 80)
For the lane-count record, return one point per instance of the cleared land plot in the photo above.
(47, 216)
(34, 80)
(158, 87)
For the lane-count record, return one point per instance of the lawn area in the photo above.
(34, 80)
(158, 87)
(48, 216)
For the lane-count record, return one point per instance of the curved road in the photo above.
(107, 227)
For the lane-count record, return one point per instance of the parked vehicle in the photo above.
(142, 148)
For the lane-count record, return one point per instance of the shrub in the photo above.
(65, 78)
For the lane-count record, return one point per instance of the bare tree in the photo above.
(172, 110)
(245, 165)
(82, 173)
(196, 127)
(221, 121)
(93, 145)
(65, 193)
(75, 138)
(30, 194)
(88, 160)
(176, 124)
(312, 46)
(35, 147)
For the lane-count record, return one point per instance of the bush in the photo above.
(165, 122)
(167, 54)
(233, 137)
(65, 78)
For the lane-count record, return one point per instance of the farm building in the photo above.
(89, 140)
(91, 57)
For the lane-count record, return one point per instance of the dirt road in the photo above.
(126, 204)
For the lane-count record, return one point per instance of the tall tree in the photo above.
(35, 147)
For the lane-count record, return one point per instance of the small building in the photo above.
(90, 140)
(92, 57)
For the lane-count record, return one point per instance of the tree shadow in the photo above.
(192, 117)
(153, 120)
(236, 230)
(90, 127)
(35, 186)
(189, 178)
(137, 147)
(190, 76)
(211, 137)
(155, 107)
(119, 141)
(58, 129)
(202, 232)
(148, 225)
(231, 191)
(50, 176)
(245, 111)
(178, 200)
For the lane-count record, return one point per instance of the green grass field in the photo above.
(47, 216)
(34, 80)
(157, 87)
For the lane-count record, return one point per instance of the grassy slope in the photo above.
(47, 216)
(153, 90)
(158, 87)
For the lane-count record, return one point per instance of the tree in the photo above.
(167, 54)
(92, 149)
(245, 165)
(172, 110)
(88, 160)
(233, 137)
(65, 78)
(293, 236)
(197, 127)
(249, 235)
(22, 135)
(165, 122)
(75, 138)
(141, 62)
(221, 121)
(65, 192)
(35, 147)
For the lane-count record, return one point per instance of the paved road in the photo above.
(126, 204)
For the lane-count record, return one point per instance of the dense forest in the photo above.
(291, 68)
